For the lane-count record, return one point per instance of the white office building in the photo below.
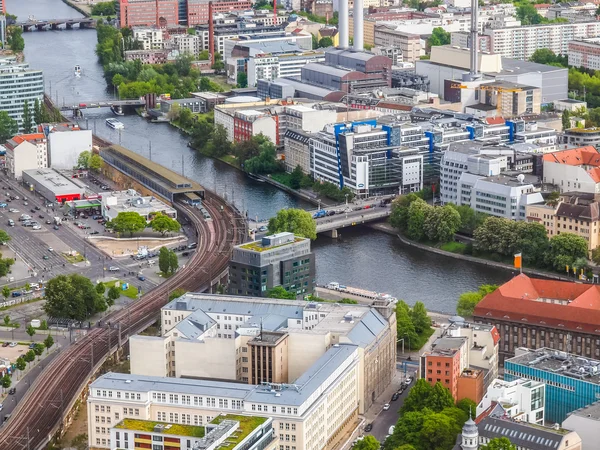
(522, 400)
(19, 84)
(270, 67)
(187, 43)
(150, 38)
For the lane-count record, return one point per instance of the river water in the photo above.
(362, 258)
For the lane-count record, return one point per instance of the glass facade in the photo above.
(564, 394)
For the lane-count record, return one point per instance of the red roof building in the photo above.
(533, 313)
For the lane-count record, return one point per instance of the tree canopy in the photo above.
(368, 442)
(72, 297)
(128, 222)
(499, 444)
(280, 292)
(295, 221)
(469, 300)
(439, 36)
(420, 220)
(8, 127)
(164, 224)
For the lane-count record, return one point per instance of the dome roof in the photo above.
(470, 428)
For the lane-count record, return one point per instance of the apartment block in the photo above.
(534, 313)
(280, 259)
(410, 44)
(187, 43)
(575, 169)
(26, 152)
(296, 146)
(585, 53)
(317, 411)
(521, 399)
(19, 84)
(521, 42)
(272, 66)
(144, 12)
(445, 362)
(151, 38)
(197, 10)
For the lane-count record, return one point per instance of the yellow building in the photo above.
(576, 213)
(330, 32)
(368, 30)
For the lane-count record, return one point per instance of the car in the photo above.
(141, 277)
(2, 407)
(113, 269)
(37, 208)
(50, 249)
(13, 344)
(3, 205)
(395, 397)
(37, 227)
(12, 391)
(408, 381)
(16, 197)
(193, 245)
(85, 227)
(32, 345)
(45, 257)
(368, 427)
(331, 213)
(56, 227)
(41, 216)
(94, 232)
(83, 216)
(13, 210)
(263, 228)
(32, 210)
(386, 406)
(185, 254)
(25, 204)
(48, 222)
(5, 344)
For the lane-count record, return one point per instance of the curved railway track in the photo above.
(40, 413)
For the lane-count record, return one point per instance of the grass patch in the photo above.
(257, 245)
(454, 247)
(130, 292)
(283, 178)
(422, 339)
(74, 259)
(230, 159)
(247, 425)
(175, 429)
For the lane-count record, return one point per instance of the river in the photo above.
(362, 258)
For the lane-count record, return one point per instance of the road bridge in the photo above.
(56, 24)
(331, 224)
(103, 104)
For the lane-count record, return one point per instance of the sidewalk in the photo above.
(384, 398)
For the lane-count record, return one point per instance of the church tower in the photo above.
(470, 435)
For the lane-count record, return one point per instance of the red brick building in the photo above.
(197, 10)
(143, 13)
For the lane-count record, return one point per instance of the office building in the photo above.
(445, 362)
(582, 136)
(197, 10)
(150, 38)
(411, 45)
(208, 100)
(506, 99)
(572, 382)
(584, 421)
(317, 411)
(277, 260)
(521, 42)
(66, 141)
(25, 152)
(523, 435)
(52, 185)
(116, 202)
(19, 84)
(236, 431)
(144, 13)
(534, 313)
(296, 146)
(520, 399)
(575, 169)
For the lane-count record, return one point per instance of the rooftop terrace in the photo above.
(152, 426)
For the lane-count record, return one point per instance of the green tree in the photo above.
(6, 320)
(8, 127)
(420, 318)
(38, 349)
(15, 39)
(112, 295)
(203, 55)
(21, 363)
(164, 262)
(528, 15)
(80, 442)
(6, 292)
(242, 79)
(6, 381)
(565, 248)
(176, 293)
(83, 161)
(280, 292)
(439, 431)
(48, 342)
(295, 221)
(128, 222)
(185, 118)
(44, 325)
(439, 36)
(104, 9)
(407, 431)
(441, 223)
(164, 224)
(38, 112)
(96, 162)
(368, 442)
(469, 300)
(4, 237)
(325, 42)
(553, 198)
(5, 265)
(404, 324)
(566, 119)
(296, 177)
(100, 288)
(440, 398)
(27, 118)
(72, 297)
(468, 406)
(417, 214)
(173, 262)
(470, 219)
(543, 56)
(218, 143)
(499, 444)
(30, 331)
(202, 131)
(29, 357)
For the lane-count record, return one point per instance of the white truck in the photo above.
(57, 221)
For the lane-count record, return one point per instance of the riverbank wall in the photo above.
(79, 8)
(387, 228)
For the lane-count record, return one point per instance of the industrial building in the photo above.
(52, 185)
(277, 260)
(115, 202)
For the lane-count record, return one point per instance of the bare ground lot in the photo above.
(118, 248)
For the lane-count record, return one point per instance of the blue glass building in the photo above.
(572, 382)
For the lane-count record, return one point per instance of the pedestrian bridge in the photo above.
(331, 224)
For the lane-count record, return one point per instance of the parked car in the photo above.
(45, 257)
(48, 222)
(94, 232)
(263, 228)
(395, 396)
(12, 391)
(3, 205)
(41, 216)
(141, 277)
(37, 208)
(56, 227)
(386, 406)
(5, 344)
(32, 210)
(369, 427)
(12, 344)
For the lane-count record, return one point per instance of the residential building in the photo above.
(151, 38)
(239, 432)
(462, 39)
(411, 45)
(66, 141)
(208, 100)
(187, 43)
(521, 399)
(296, 145)
(445, 362)
(572, 382)
(575, 169)
(317, 411)
(148, 56)
(277, 260)
(144, 12)
(26, 151)
(197, 10)
(523, 435)
(52, 185)
(331, 33)
(585, 53)
(202, 342)
(521, 42)
(584, 421)
(569, 104)
(148, 207)
(582, 136)
(534, 313)
(19, 84)
(194, 104)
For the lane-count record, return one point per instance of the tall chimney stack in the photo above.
(211, 33)
(343, 23)
(474, 60)
(275, 12)
(359, 30)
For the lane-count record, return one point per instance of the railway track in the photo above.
(40, 413)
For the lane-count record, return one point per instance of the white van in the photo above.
(151, 262)
(11, 223)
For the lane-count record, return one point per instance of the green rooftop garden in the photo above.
(175, 429)
(247, 425)
(256, 246)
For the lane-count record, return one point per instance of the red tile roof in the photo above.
(486, 413)
(29, 137)
(523, 300)
(580, 156)
(542, 6)
(494, 120)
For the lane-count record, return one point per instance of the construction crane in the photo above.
(486, 87)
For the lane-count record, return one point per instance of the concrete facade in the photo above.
(65, 144)
(522, 400)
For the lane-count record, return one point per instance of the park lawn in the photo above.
(283, 178)
(131, 291)
(454, 247)
(74, 259)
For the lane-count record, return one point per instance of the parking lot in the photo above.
(13, 353)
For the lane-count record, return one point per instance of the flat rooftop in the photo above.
(559, 363)
(130, 200)
(512, 180)
(591, 411)
(447, 345)
(152, 426)
(53, 181)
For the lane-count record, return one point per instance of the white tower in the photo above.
(470, 435)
